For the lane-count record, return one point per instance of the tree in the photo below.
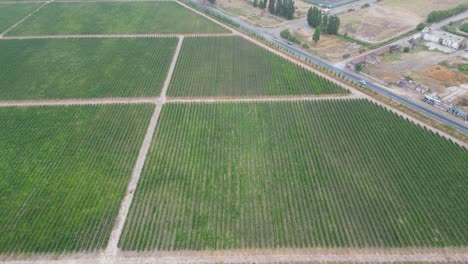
(255, 3)
(333, 25)
(316, 36)
(271, 6)
(314, 17)
(263, 4)
(212, 1)
(421, 26)
(324, 23)
(358, 67)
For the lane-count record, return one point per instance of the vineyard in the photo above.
(115, 18)
(233, 66)
(64, 173)
(84, 68)
(303, 174)
(12, 13)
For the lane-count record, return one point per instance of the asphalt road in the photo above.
(424, 109)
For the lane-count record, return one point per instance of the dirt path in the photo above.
(112, 247)
(362, 255)
(66, 102)
(24, 18)
(171, 69)
(262, 99)
(149, 35)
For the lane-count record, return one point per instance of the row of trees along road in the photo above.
(322, 23)
(284, 8)
(260, 3)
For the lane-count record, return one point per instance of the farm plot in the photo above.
(115, 18)
(233, 66)
(84, 68)
(12, 13)
(64, 172)
(305, 174)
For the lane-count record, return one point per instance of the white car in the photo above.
(363, 82)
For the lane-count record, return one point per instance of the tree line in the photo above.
(284, 8)
(322, 23)
(435, 16)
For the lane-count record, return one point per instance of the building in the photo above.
(443, 38)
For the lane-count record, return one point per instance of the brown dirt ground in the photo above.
(256, 16)
(423, 66)
(384, 20)
(330, 48)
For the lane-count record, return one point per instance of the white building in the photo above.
(443, 38)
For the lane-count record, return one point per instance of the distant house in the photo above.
(443, 38)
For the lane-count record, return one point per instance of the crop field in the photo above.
(115, 18)
(333, 174)
(233, 66)
(64, 174)
(84, 68)
(12, 13)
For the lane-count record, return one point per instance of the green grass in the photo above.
(64, 172)
(84, 68)
(233, 66)
(304, 174)
(12, 13)
(115, 18)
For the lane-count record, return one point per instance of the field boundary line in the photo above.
(142, 35)
(23, 2)
(112, 245)
(72, 102)
(261, 99)
(24, 18)
(345, 255)
(170, 72)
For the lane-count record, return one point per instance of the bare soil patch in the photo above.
(329, 48)
(389, 18)
(256, 16)
(422, 66)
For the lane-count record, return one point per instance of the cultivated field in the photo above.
(84, 68)
(115, 18)
(64, 172)
(12, 13)
(305, 174)
(233, 66)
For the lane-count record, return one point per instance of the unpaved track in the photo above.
(262, 99)
(364, 255)
(149, 35)
(71, 102)
(112, 247)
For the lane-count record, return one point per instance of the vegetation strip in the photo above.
(121, 36)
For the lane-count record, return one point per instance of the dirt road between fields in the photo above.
(363, 255)
(149, 35)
